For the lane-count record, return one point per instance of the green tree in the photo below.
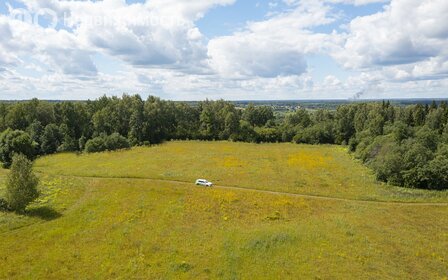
(187, 121)
(414, 162)
(160, 121)
(247, 133)
(3, 113)
(427, 137)
(258, 116)
(15, 141)
(21, 184)
(438, 169)
(345, 127)
(51, 139)
(209, 127)
(68, 144)
(35, 130)
(376, 122)
(299, 118)
(22, 114)
(401, 131)
(136, 121)
(232, 124)
(388, 161)
(419, 115)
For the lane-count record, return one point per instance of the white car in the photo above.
(203, 182)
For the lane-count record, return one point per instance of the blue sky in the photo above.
(231, 49)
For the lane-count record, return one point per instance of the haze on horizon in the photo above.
(230, 49)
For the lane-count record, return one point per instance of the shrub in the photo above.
(21, 184)
(267, 134)
(107, 143)
(3, 204)
(15, 141)
(82, 143)
(116, 142)
(321, 133)
(95, 145)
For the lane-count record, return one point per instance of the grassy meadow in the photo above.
(301, 169)
(142, 218)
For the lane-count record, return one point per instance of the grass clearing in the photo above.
(301, 169)
(57, 194)
(121, 228)
(143, 229)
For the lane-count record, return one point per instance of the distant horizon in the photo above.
(251, 100)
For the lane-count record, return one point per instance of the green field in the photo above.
(136, 214)
(302, 169)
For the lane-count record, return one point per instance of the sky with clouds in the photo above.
(230, 49)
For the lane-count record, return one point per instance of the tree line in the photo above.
(405, 146)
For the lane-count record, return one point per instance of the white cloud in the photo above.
(155, 33)
(161, 50)
(408, 39)
(357, 2)
(244, 55)
(58, 49)
(331, 81)
(274, 47)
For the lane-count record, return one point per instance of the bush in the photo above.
(321, 133)
(21, 184)
(4, 205)
(116, 142)
(107, 143)
(267, 134)
(15, 141)
(95, 145)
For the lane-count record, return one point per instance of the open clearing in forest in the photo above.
(120, 226)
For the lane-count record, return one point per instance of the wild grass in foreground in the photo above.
(121, 228)
(56, 195)
(302, 169)
(125, 228)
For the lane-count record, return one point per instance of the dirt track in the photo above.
(328, 198)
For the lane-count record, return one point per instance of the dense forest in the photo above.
(405, 146)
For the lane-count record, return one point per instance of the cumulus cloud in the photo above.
(274, 47)
(154, 33)
(162, 50)
(58, 49)
(7, 45)
(357, 2)
(408, 38)
(242, 56)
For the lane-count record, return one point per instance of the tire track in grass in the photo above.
(309, 196)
